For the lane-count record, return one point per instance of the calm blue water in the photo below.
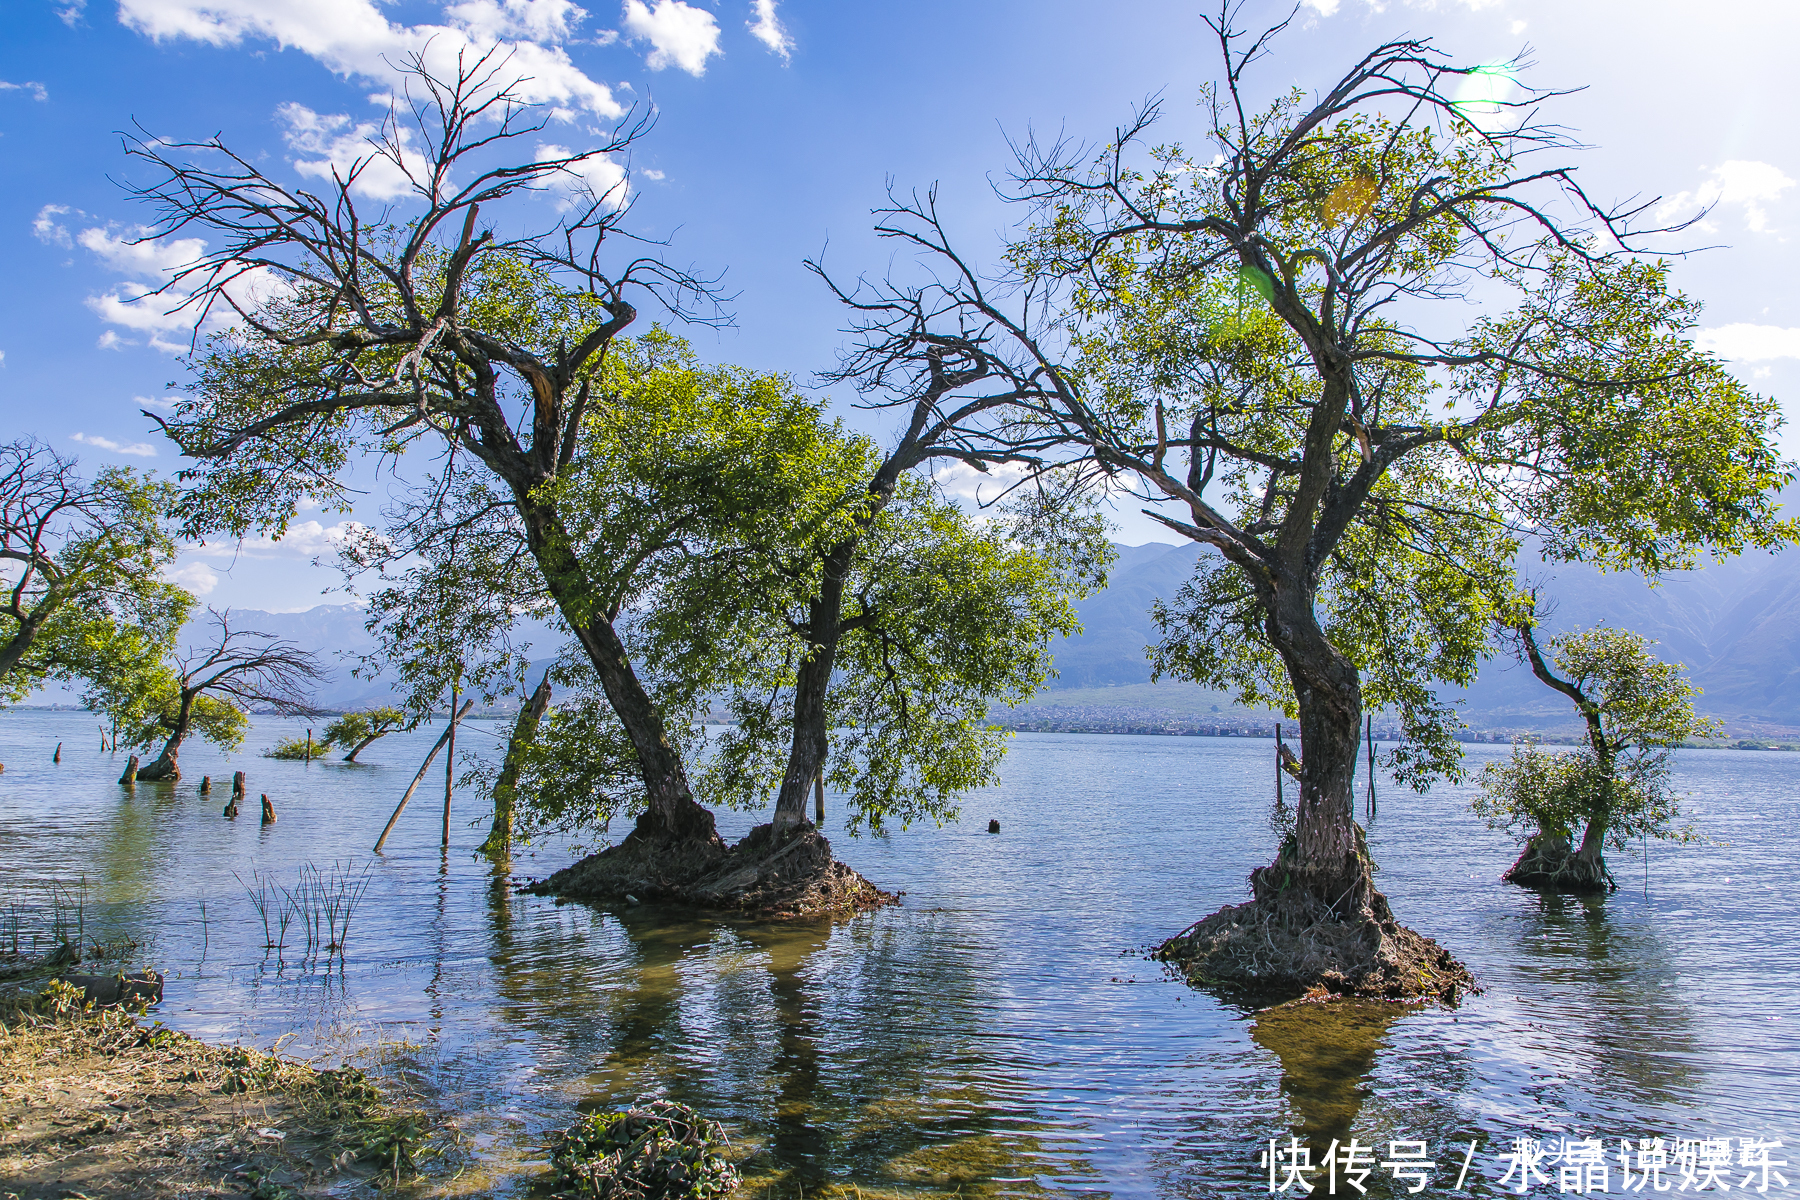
(999, 1034)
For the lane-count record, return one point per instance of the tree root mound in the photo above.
(1553, 867)
(1286, 947)
(766, 875)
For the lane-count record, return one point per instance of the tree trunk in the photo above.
(168, 763)
(1330, 860)
(671, 811)
(499, 838)
(825, 626)
(16, 646)
(364, 745)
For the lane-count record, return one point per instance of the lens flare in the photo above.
(1482, 95)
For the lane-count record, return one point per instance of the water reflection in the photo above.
(1327, 1053)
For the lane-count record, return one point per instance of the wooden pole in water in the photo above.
(420, 777)
(205, 784)
(1370, 739)
(819, 797)
(1278, 799)
(268, 810)
(309, 745)
(450, 765)
(57, 757)
(131, 769)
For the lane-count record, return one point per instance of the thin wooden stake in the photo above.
(1370, 739)
(1278, 799)
(450, 766)
(420, 777)
(819, 797)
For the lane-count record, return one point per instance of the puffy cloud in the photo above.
(71, 12)
(145, 303)
(47, 229)
(197, 578)
(1750, 343)
(341, 144)
(767, 28)
(679, 35)
(36, 89)
(1739, 183)
(600, 177)
(303, 539)
(353, 37)
(137, 449)
(654, 175)
(966, 483)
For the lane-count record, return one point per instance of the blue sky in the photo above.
(778, 125)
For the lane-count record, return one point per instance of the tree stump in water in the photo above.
(994, 826)
(131, 770)
(268, 810)
(57, 757)
(205, 784)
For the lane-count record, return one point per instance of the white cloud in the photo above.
(166, 403)
(654, 175)
(1739, 183)
(197, 578)
(532, 20)
(150, 263)
(966, 483)
(47, 229)
(1750, 343)
(767, 28)
(71, 12)
(353, 37)
(36, 89)
(679, 35)
(600, 177)
(109, 339)
(1324, 8)
(303, 539)
(341, 144)
(136, 449)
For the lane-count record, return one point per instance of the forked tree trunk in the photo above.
(499, 838)
(1329, 863)
(670, 811)
(811, 740)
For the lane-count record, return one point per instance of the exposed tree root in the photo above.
(765, 875)
(1549, 864)
(1292, 944)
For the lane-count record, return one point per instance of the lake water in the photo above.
(1001, 1033)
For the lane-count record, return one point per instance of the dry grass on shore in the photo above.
(97, 1104)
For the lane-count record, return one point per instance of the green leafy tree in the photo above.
(941, 618)
(208, 689)
(1636, 710)
(358, 730)
(439, 332)
(85, 562)
(1266, 339)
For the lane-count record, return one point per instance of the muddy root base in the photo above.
(1280, 949)
(765, 875)
(1553, 867)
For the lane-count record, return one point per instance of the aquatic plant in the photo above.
(660, 1150)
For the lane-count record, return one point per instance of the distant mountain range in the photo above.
(1734, 624)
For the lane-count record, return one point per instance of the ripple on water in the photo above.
(999, 1034)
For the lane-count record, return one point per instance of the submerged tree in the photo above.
(357, 731)
(1260, 335)
(374, 337)
(82, 562)
(1637, 710)
(209, 690)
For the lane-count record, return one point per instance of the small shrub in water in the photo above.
(660, 1150)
